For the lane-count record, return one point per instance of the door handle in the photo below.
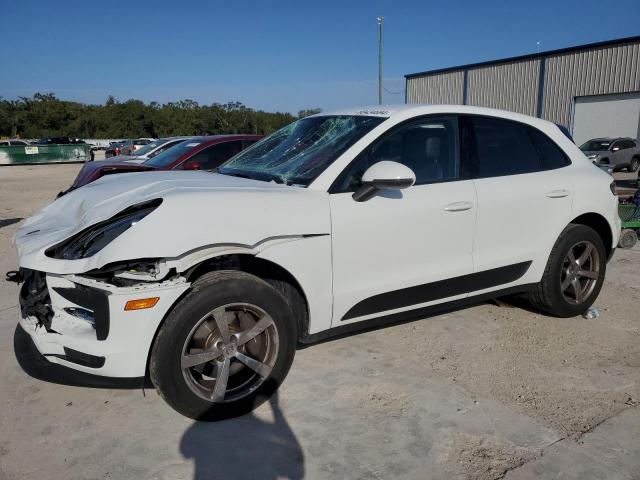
(558, 193)
(458, 206)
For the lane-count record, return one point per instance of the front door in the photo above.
(403, 249)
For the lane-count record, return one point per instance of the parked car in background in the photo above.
(338, 222)
(114, 149)
(196, 153)
(14, 143)
(132, 145)
(150, 150)
(619, 153)
(60, 141)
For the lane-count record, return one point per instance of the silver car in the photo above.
(618, 153)
(150, 150)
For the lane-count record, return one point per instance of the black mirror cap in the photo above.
(369, 189)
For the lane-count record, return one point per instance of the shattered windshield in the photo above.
(299, 152)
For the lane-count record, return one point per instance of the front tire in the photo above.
(574, 273)
(225, 348)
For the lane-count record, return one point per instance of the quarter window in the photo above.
(428, 146)
(551, 155)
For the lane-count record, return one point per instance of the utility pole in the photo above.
(380, 19)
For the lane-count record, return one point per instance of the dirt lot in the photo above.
(481, 393)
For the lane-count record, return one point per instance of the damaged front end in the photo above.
(82, 321)
(35, 302)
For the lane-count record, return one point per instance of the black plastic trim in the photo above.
(410, 315)
(91, 299)
(79, 358)
(429, 292)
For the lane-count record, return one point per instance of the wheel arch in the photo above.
(602, 227)
(276, 275)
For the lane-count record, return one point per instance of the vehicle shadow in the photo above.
(35, 365)
(246, 447)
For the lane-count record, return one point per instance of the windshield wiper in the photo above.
(260, 176)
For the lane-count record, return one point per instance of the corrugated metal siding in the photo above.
(446, 88)
(508, 86)
(613, 69)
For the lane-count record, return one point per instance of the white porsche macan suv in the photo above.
(340, 221)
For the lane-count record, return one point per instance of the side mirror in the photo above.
(615, 149)
(191, 166)
(384, 175)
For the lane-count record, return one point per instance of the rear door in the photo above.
(524, 195)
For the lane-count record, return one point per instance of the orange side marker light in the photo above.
(141, 303)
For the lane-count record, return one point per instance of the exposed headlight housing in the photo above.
(91, 240)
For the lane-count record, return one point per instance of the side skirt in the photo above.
(408, 316)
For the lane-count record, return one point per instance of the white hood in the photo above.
(198, 209)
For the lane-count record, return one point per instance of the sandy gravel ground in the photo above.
(486, 392)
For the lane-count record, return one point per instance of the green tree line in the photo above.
(45, 115)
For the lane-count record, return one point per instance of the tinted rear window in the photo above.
(504, 148)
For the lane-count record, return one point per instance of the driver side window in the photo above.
(428, 146)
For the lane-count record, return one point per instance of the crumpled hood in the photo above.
(198, 209)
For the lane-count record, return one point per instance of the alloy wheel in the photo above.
(230, 352)
(580, 272)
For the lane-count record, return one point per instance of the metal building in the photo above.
(594, 89)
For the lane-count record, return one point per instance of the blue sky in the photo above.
(275, 55)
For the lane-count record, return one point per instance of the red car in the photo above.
(197, 153)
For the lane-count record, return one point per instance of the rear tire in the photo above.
(628, 238)
(635, 163)
(574, 273)
(244, 330)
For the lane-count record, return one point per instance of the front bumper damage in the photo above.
(81, 322)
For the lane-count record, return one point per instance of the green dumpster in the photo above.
(77, 152)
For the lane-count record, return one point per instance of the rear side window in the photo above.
(503, 147)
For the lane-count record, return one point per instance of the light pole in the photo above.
(380, 19)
